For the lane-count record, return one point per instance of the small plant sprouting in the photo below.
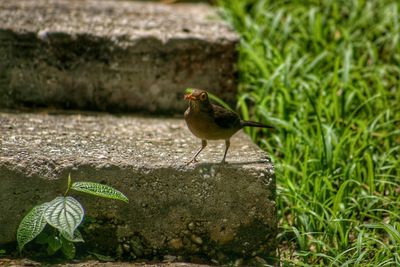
(65, 214)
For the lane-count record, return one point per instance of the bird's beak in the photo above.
(189, 97)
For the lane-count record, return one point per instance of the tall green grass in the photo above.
(326, 74)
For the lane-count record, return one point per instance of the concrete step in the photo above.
(112, 55)
(210, 210)
(93, 263)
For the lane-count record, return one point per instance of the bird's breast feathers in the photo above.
(205, 126)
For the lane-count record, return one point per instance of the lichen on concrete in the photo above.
(219, 211)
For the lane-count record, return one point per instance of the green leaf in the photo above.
(219, 101)
(68, 184)
(65, 214)
(390, 230)
(2, 252)
(100, 190)
(188, 90)
(41, 239)
(77, 237)
(69, 181)
(55, 244)
(31, 225)
(101, 257)
(68, 249)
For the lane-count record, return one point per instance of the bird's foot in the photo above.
(193, 160)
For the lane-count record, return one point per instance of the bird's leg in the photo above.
(203, 145)
(227, 144)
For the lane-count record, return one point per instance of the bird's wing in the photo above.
(225, 118)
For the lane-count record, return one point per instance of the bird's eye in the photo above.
(203, 96)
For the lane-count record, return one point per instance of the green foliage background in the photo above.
(326, 74)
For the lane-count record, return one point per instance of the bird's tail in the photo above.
(254, 124)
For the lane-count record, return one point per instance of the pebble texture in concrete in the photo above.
(112, 55)
(219, 211)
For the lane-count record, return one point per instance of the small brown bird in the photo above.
(211, 122)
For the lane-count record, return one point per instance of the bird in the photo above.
(208, 121)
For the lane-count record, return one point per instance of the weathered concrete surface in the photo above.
(112, 55)
(91, 263)
(208, 210)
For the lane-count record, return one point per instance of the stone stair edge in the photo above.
(219, 211)
(193, 21)
(112, 62)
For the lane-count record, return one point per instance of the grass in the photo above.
(326, 74)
